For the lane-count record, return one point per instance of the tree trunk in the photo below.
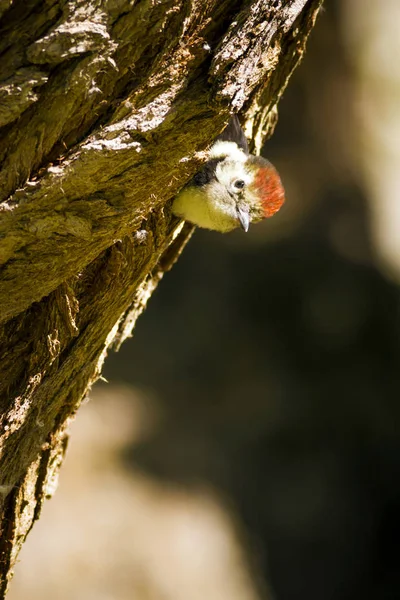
(106, 108)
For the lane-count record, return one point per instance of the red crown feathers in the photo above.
(267, 184)
(270, 189)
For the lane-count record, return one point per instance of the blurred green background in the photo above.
(247, 444)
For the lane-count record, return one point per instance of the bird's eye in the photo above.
(239, 184)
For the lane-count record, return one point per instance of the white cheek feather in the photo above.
(228, 149)
(229, 171)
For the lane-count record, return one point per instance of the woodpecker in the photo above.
(233, 189)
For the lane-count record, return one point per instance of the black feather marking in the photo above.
(234, 133)
(207, 173)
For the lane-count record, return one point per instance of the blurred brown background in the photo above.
(247, 444)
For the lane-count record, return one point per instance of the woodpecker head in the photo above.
(233, 190)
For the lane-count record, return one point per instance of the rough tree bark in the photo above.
(106, 107)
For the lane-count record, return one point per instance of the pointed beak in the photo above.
(244, 218)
